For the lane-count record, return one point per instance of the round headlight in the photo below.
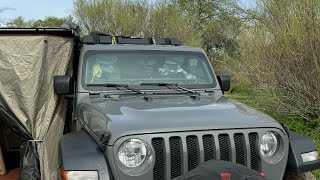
(268, 144)
(132, 152)
(135, 157)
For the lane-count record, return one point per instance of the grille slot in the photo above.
(176, 156)
(241, 153)
(224, 143)
(255, 160)
(209, 147)
(159, 167)
(193, 152)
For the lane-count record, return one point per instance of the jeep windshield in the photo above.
(186, 68)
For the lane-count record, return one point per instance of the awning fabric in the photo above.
(28, 104)
(2, 165)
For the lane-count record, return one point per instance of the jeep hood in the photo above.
(136, 115)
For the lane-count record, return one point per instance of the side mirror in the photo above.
(63, 85)
(224, 81)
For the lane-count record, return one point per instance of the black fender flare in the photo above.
(78, 151)
(298, 145)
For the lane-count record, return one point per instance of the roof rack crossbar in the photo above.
(97, 38)
(167, 41)
(128, 40)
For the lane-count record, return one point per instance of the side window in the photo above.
(89, 70)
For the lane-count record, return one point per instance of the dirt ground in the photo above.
(11, 175)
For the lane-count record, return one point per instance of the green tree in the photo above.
(18, 22)
(203, 23)
(50, 21)
(216, 22)
(168, 21)
(187, 20)
(115, 17)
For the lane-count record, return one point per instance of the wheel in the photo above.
(302, 176)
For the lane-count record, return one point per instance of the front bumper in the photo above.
(309, 166)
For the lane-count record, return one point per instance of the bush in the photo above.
(279, 51)
(278, 65)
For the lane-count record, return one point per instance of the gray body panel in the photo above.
(133, 115)
(79, 152)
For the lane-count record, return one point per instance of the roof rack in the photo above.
(97, 38)
(102, 38)
(129, 40)
(167, 41)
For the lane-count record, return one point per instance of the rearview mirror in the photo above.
(63, 85)
(224, 81)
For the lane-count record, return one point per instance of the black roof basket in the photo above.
(129, 40)
(167, 41)
(97, 37)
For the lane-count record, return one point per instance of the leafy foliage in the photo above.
(208, 24)
(18, 22)
(50, 21)
(279, 51)
(215, 21)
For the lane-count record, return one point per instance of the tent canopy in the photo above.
(28, 63)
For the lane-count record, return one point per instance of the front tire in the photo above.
(302, 176)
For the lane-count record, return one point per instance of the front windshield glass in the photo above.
(135, 67)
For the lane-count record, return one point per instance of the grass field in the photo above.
(260, 100)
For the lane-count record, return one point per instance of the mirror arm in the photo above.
(71, 96)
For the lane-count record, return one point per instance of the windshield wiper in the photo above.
(168, 85)
(126, 86)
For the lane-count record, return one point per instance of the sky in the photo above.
(34, 9)
(39, 9)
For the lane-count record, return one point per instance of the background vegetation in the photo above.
(271, 49)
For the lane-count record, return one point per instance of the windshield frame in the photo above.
(190, 86)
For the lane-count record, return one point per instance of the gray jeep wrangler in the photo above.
(146, 108)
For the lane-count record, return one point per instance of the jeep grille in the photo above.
(178, 154)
